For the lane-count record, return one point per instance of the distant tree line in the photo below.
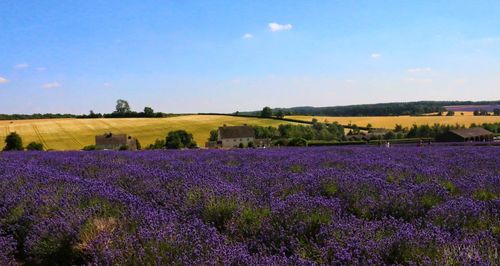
(123, 110)
(35, 116)
(482, 112)
(379, 109)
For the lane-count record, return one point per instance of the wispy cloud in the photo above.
(41, 69)
(418, 80)
(21, 66)
(376, 56)
(419, 70)
(51, 85)
(247, 36)
(3, 80)
(273, 26)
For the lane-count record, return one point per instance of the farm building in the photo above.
(110, 141)
(467, 134)
(234, 136)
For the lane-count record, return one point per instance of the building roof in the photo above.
(111, 139)
(236, 132)
(471, 132)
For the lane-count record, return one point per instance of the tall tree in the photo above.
(149, 112)
(266, 112)
(13, 142)
(214, 135)
(122, 106)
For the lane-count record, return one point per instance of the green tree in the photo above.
(149, 112)
(297, 142)
(179, 139)
(496, 111)
(450, 113)
(280, 114)
(266, 112)
(214, 135)
(13, 142)
(34, 146)
(122, 106)
(138, 144)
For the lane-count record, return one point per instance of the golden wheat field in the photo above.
(406, 121)
(74, 134)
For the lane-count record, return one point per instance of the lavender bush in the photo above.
(301, 206)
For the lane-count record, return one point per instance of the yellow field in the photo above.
(74, 134)
(406, 121)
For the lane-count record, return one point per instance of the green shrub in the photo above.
(89, 148)
(218, 211)
(297, 142)
(34, 146)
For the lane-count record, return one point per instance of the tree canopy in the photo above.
(13, 142)
(179, 139)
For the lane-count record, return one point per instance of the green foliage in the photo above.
(214, 135)
(251, 145)
(296, 168)
(149, 112)
(266, 112)
(123, 148)
(34, 146)
(138, 144)
(218, 211)
(13, 142)
(241, 145)
(122, 107)
(297, 142)
(329, 189)
(280, 114)
(89, 148)
(179, 139)
(430, 200)
(450, 113)
(484, 195)
(159, 144)
(250, 220)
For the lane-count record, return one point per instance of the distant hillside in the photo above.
(380, 109)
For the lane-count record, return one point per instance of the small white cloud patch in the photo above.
(419, 70)
(376, 56)
(51, 85)
(273, 26)
(3, 80)
(247, 36)
(21, 66)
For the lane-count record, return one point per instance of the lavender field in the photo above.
(302, 206)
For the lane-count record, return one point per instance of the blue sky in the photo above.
(223, 56)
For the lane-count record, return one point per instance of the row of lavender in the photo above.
(349, 205)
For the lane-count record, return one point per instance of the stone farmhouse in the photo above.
(233, 136)
(110, 141)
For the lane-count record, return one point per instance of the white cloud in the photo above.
(273, 26)
(3, 80)
(247, 36)
(417, 80)
(51, 85)
(41, 69)
(107, 84)
(419, 70)
(21, 66)
(376, 56)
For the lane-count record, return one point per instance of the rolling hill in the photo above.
(74, 134)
